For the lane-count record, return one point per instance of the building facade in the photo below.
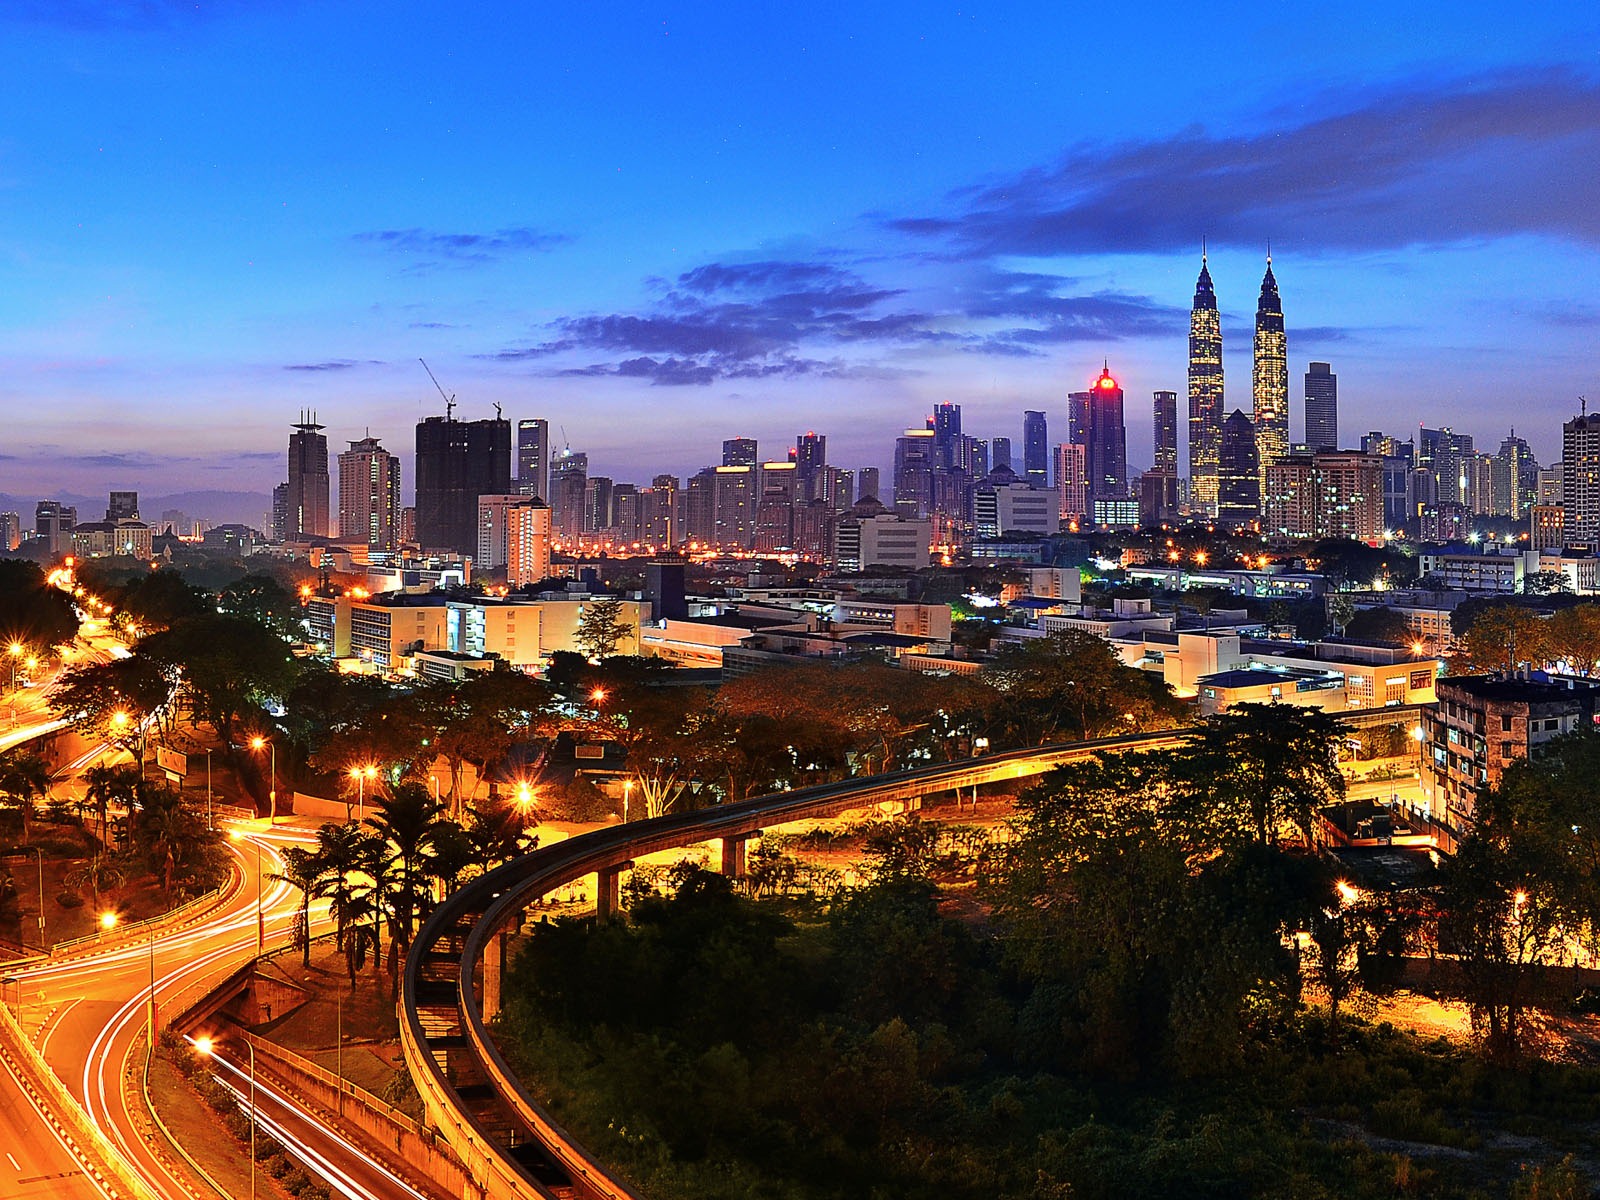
(369, 495)
(1205, 394)
(1270, 375)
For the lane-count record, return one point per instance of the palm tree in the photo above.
(407, 823)
(97, 874)
(341, 850)
(361, 934)
(25, 777)
(304, 870)
(108, 786)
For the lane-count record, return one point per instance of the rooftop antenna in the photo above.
(497, 415)
(1583, 406)
(449, 401)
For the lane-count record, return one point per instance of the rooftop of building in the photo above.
(1253, 677)
(1530, 687)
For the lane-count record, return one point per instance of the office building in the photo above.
(1448, 456)
(1547, 527)
(1322, 408)
(10, 531)
(1158, 498)
(1238, 472)
(913, 473)
(369, 495)
(1106, 440)
(568, 482)
(306, 501)
(278, 523)
(1008, 508)
(1035, 449)
(1165, 425)
(1000, 453)
(53, 523)
(810, 459)
(1270, 374)
(1205, 394)
(870, 488)
(494, 530)
(533, 457)
(736, 497)
(1515, 478)
(122, 506)
(599, 509)
(881, 540)
(739, 452)
(458, 461)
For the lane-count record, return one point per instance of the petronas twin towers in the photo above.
(1269, 387)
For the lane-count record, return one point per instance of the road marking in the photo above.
(15, 1165)
(59, 1014)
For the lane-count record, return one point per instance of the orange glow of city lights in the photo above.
(204, 1046)
(257, 742)
(598, 695)
(108, 920)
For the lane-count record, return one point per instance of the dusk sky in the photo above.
(659, 226)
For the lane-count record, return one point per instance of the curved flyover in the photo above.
(509, 1143)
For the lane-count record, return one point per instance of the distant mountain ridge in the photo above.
(219, 508)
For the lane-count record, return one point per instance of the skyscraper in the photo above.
(527, 543)
(569, 477)
(122, 506)
(1000, 453)
(1205, 393)
(533, 457)
(369, 495)
(53, 523)
(458, 461)
(1165, 405)
(810, 456)
(914, 453)
(869, 483)
(1035, 449)
(1072, 484)
(1322, 408)
(739, 452)
(1106, 441)
(1580, 478)
(1270, 376)
(948, 450)
(1238, 472)
(1516, 477)
(307, 498)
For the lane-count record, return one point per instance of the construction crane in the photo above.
(449, 400)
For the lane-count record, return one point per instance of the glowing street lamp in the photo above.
(208, 1047)
(15, 650)
(260, 743)
(361, 775)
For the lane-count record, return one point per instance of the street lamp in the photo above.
(40, 852)
(627, 798)
(108, 922)
(361, 775)
(15, 650)
(258, 743)
(208, 1047)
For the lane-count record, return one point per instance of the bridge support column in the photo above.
(494, 974)
(608, 890)
(733, 855)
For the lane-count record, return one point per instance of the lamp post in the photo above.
(361, 775)
(15, 650)
(627, 799)
(259, 743)
(207, 1047)
(211, 824)
(39, 850)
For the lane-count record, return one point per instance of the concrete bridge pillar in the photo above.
(608, 890)
(733, 849)
(494, 973)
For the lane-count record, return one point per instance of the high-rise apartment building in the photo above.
(494, 529)
(1580, 479)
(10, 531)
(1035, 449)
(1448, 456)
(739, 452)
(700, 507)
(369, 495)
(1106, 440)
(736, 492)
(1165, 425)
(533, 457)
(1269, 378)
(660, 512)
(569, 478)
(307, 497)
(1337, 495)
(599, 511)
(1238, 472)
(1516, 477)
(527, 542)
(1072, 484)
(458, 461)
(1322, 408)
(1205, 394)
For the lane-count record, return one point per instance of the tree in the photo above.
(1546, 583)
(1572, 638)
(25, 778)
(306, 871)
(113, 701)
(229, 666)
(602, 629)
(174, 838)
(105, 786)
(1502, 638)
(263, 599)
(99, 873)
(1267, 768)
(407, 824)
(1378, 625)
(160, 599)
(31, 610)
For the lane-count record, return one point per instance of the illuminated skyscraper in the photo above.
(1166, 432)
(533, 457)
(1205, 394)
(1322, 408)
(1580, 478)
(1106, 441)
(1035, 449)
(369, 495)
(739, 452)
(1270, 378)
(308, 480)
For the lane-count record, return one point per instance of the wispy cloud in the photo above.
(1428, 163)
(116, 14)
(440, 245)
(335, 364)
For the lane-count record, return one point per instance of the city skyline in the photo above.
(194, 252)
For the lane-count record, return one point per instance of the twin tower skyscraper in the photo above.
(1269, 388)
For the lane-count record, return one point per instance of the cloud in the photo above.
(465, 247)
(335, 364)
(1424, 164)
(774, 319)
(115, 14)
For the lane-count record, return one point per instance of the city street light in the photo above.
(40, 852)
(207, 1047)
(361, 775)
(627, 799)
(258, 743)
(15, 650)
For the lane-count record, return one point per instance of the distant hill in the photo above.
(219, 508)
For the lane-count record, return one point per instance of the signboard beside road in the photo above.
(172, 762)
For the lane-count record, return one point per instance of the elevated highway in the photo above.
(453, 975)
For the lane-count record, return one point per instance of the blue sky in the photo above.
(661, 226)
